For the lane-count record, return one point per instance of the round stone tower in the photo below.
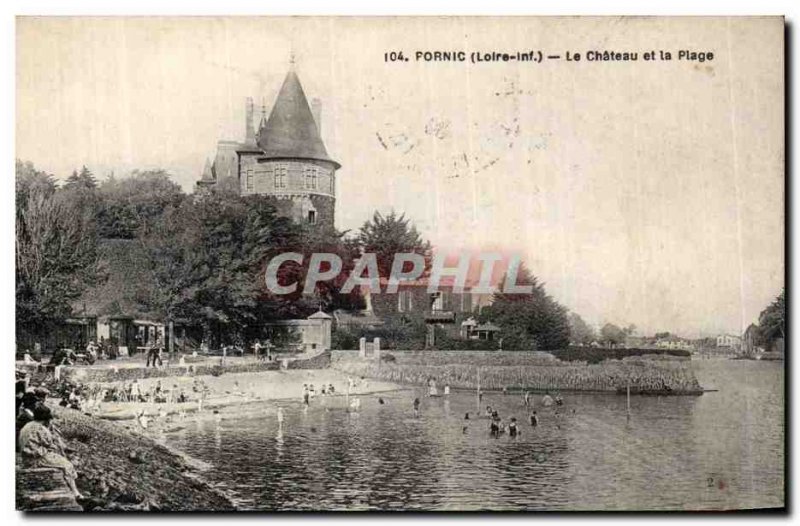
(289, 161)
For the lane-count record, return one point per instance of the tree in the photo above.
(82, 179)
(316, 239)
(28, 179)
(772, 321)
(127, 204)
(208, 258)
(390, 235)
(581, 332)
(56, 251)
(612, 335)
(529, 320)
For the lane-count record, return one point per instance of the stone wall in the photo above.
(126, 374)
(437, 357)
(321, 361)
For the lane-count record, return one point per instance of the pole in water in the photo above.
(478, 392)
(628, 389)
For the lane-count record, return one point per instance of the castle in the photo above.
(285, 159)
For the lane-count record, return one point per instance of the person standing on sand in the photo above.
(447, 389)
(416, 407)
(527, 398)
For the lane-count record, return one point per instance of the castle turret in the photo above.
(285, 159)
(291, 131)
(293, 164)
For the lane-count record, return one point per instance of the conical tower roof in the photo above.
(290, 131)
(207, 173)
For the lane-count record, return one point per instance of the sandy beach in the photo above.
(234, 389)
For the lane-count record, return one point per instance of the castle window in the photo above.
(250, 180)
(280, 176)
(311, 178)
(312, 217)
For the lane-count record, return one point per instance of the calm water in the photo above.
(717, 451)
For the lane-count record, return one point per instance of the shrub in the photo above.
(597, 355)
(344, 340)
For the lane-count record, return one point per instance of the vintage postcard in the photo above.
(400, 263)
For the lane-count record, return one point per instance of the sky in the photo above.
(647, 193)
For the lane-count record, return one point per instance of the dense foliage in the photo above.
(770, 332)
(772, 321)
(200, 260)
(56, 248)
(597, 355)
(127, 204)
(388, 235)
(581, 333)
(533, 321)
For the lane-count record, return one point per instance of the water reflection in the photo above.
(586, 456)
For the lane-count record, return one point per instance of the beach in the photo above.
(108, 441)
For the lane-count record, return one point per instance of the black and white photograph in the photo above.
(399, 263)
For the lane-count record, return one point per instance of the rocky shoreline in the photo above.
(122, 469)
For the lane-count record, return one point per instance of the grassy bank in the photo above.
(122, 469)
(643, 376)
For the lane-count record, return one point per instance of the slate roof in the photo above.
(291, 132)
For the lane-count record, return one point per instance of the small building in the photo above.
(472, 330)
(309, 335)
(468, 327)
(729, 340)
(486, 331)
(674, 343)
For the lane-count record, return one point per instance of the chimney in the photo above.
(249, 133)
(316, 110)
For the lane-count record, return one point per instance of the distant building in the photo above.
(412, 300)
(285, 159)
(729, 340)
(637, 342)
(313, 333)
(676, 343)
